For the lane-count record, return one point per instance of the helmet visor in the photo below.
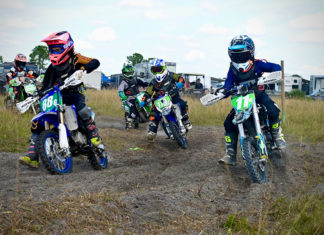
(128, 73)
(240, 57)
(157, 69)
(56, 49)
(20, 64)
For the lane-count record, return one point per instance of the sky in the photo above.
(193, 33)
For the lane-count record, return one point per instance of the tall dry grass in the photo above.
(304, 118)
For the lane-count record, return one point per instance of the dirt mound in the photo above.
(160, 183)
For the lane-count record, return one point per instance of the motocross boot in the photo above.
(31, 159)
(231, 146)
(93, 133)
(277, 135)
(152, 131)
(129, 123)
(186, 122)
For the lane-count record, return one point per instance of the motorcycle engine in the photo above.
(79, 138)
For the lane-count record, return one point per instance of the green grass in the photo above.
(14, 130)
(301, 215)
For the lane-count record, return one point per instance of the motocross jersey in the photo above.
(55, 75)
(130, 87)
(13, 73)
(167, 85)
(256, 71)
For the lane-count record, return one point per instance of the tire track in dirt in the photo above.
(161, 181)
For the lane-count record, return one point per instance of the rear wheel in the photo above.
(256, 168)
(54, 160)
(182, 142)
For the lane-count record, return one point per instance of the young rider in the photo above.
(19, 70)
(244, 68)
(164, 81)
(64, 62)
(127, 90)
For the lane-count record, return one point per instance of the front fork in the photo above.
(63, 140)
(260, 139)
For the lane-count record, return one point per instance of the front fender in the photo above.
(50, 117)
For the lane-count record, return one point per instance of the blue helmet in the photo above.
(241, 49)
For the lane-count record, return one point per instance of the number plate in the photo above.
(50, 102)
(163, 102)
(243, 102)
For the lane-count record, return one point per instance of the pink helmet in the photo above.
(60, 46)
(20, 62)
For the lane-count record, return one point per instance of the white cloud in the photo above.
(103, 34)
(156, 15)
(211, 29)
(18, 23)
(210, 7)
(13, 4)
(136, 3)
(255, 27)
(82, 44)
(316, 36)
(308, 21)
(195, 55)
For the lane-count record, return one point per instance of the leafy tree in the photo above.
(39, 55)
(1, 59)
(136, 58)
(147, 60)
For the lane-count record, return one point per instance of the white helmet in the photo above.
(158, 69)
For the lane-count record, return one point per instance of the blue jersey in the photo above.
(260, 67)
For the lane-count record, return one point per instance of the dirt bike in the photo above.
(171, 117)
(25, 87)
(142, 112)
(256, 141)
(64, 133)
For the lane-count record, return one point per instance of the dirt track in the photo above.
(161, 182)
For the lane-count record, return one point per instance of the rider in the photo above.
(19, 70)
(127, 90)
(244, 68)
(64, 62)
(164, 81)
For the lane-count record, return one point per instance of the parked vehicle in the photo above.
(317, 95)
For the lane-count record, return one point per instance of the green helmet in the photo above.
(128, 71)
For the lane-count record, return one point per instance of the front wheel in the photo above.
(256, 168)
(54, 159)
(182, 142)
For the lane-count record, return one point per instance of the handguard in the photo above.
(273, 77)
(209, 99)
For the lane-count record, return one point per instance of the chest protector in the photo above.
(244, 77)
(132, 88)
(167, 85)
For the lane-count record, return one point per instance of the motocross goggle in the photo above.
(241, 56)
(20, 64)
(56, 49)
(157, 69)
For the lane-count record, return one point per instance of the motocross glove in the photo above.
(179, 85)
(141, 104)
(122, 95)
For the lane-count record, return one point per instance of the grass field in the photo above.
(304, 118)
